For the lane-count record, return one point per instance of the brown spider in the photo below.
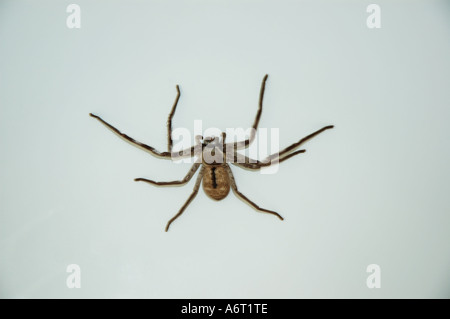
(216, 173)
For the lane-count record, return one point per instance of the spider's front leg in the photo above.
(245, 162)
(166, 155)
(169, 121)
(151, 149)
(247, 142)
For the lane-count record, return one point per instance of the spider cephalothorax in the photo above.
(213, 155)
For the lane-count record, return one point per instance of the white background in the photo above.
(373, 190)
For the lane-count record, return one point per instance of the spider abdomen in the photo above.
(216, 182)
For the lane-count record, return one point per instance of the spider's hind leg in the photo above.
(244, 198)
(189, 200)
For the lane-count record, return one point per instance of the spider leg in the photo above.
(303, 140)
(187, 152)
(169, 121)
(246, 143)
(189, 200)
(186, 179)
(244, 198)
(243, 161)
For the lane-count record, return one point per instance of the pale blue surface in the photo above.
(373, 190)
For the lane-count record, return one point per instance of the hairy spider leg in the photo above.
(189, 200)
(244, 198)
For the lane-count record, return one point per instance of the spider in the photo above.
(216, 174)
